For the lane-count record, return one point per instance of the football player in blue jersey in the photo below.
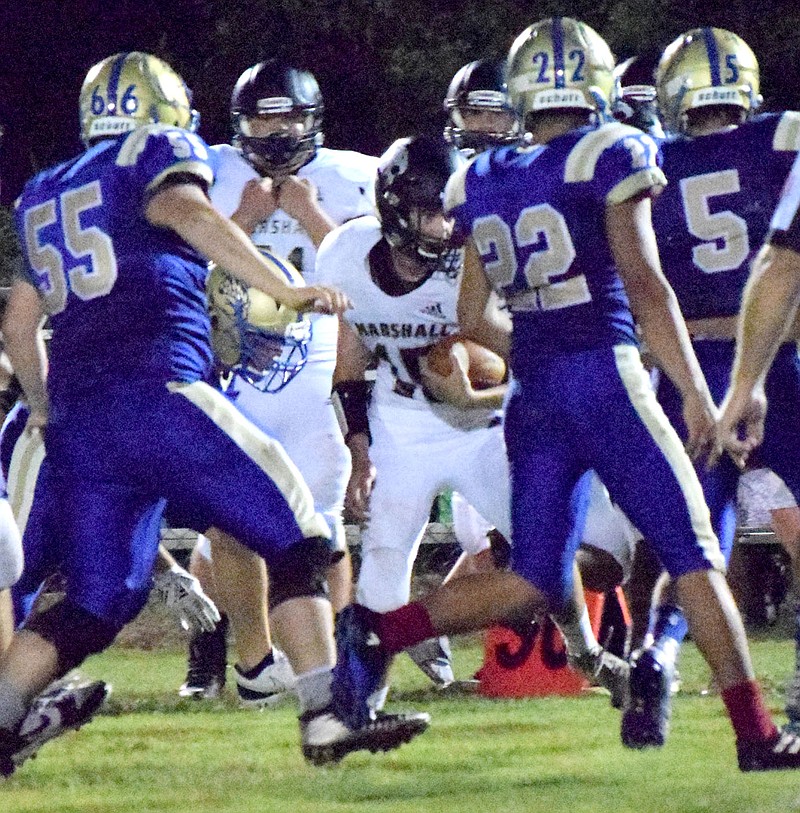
(562, 229)
(769, 307)
(725, 169)
(114, 243)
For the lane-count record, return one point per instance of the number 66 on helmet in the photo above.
(253, 336)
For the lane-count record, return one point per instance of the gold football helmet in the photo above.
(129, 90)
(704, 67)
(263, 342)
(561, 64)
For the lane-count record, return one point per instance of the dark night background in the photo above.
(383, 65)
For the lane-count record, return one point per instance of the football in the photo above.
(484, 367)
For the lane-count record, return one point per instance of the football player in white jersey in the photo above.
(287, 191)
(402, 273)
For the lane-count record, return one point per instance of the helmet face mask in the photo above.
(479, 110)
(262, 342)
(703, 68)
(409, 193)
(287, 101)
(561, 65)
(130, 90)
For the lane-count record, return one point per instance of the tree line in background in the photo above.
(383, 65)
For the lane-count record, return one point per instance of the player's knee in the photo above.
(73, 632)
(299, 572)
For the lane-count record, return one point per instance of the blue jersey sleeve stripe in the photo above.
(713, 56)
(643, 181)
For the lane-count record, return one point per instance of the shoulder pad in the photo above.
(583, 157)
(787, 133)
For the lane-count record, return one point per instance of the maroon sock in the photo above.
(749, 716)
(405, 627)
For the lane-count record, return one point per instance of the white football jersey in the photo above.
(398, 330)
(344, 181)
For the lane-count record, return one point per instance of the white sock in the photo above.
(314, 689)
(13, 707)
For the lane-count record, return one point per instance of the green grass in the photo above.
(150, 751)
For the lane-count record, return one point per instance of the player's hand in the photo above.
(359, 487)
(258, 202)
(741, 425)
(700, 417)
(318, 298)
(184, 597)
(455, 388)
(296, 196)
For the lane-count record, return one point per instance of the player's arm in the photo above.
(456, 389)
(24, 343)
(185, 209)
(769, 306)
(353, 393)
(654, 304)
(478, 316)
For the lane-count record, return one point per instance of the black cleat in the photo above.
(645, 721)
(64, 706)
(327, 740)
(205, 676)
(779, 754)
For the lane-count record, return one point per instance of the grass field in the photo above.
(150, 751)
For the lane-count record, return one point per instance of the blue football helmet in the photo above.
(253, 336)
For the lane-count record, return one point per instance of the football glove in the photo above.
(184, 597)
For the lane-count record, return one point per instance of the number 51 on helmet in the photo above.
(253, 336)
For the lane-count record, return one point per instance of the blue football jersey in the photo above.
(126, 299)
(708, 228)
(785, 223)
(537, 217)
